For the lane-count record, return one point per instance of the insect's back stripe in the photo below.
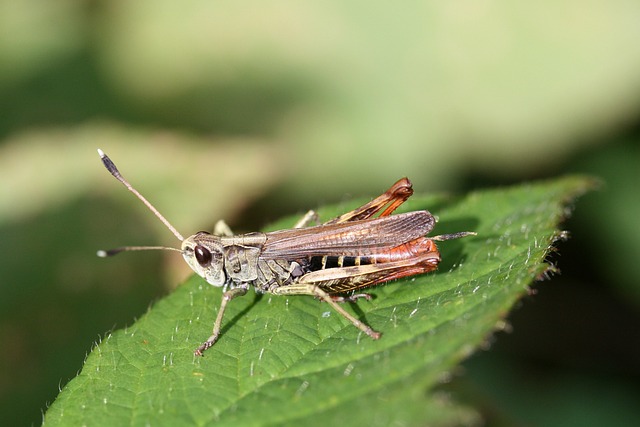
(323, 262)
(331, 262)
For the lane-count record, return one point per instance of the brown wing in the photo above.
(351, 238)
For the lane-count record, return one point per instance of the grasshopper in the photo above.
(330, 261)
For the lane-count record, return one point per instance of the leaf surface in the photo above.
(286, 361)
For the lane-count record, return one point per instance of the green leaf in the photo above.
(286, 361)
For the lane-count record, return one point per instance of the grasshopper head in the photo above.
(203, 253)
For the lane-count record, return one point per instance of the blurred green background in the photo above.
(247, 111)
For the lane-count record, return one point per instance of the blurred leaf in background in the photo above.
(246, 111)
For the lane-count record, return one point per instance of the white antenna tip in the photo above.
(100, 152)
(101, 253)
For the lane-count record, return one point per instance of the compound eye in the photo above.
(203, 255)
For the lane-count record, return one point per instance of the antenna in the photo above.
(116, 251)
(113, 170)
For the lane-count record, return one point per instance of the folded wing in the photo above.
(351, 238)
